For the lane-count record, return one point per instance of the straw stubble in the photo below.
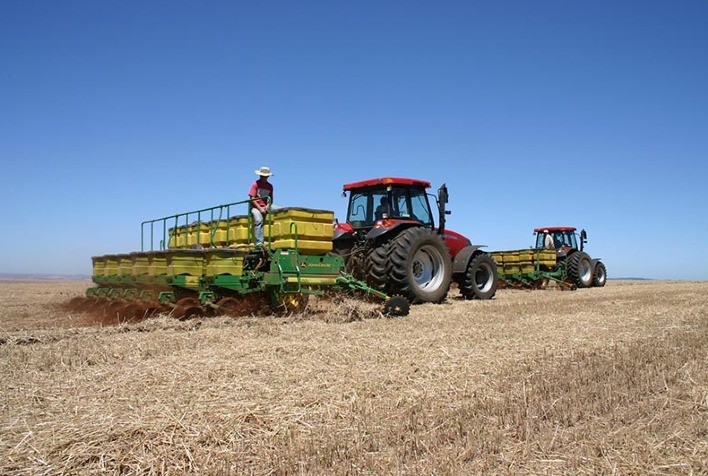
(593, 381)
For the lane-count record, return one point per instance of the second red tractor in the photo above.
(579, 268)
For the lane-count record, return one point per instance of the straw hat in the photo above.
(264, 171)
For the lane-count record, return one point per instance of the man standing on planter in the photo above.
(262, 193)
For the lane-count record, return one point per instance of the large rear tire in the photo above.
(579, 269)
(480, 279)
(378, 266)
(420, 266)
(599, 277)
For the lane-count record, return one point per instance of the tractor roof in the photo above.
(377, 182)
(554, 228)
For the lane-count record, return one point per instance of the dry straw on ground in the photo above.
(595, 381)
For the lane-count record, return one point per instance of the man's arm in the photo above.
(253, 193)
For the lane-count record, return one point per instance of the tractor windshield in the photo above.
(569, 239)
(412, 204)
(406, 203)
(557, 240)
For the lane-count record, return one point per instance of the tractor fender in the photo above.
(343, 231)
(342, 235)
(378, 232)
(462, 259)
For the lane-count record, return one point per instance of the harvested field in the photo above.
(604, 380)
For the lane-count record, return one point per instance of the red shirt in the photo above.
(261, 189)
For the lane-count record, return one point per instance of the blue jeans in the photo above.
(257, 225)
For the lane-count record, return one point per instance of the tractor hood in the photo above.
(455, 241)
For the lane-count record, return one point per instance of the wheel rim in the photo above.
(483, 277)
(601, 276)
(585, 271)
(427, 267)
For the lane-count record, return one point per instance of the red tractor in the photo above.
(580, 269)
(390, 241)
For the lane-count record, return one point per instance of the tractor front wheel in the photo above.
(599, 277)
(579, 269)
(480, 279)
(420, 266)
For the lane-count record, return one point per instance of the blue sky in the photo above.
(592, 114)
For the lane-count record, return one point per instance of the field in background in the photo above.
(610, 380)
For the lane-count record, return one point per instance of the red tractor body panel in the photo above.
(455, 241)
(344, 227)
(391, 222)
(377, 182)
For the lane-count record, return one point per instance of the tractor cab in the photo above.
(564, 239)
(385, 206)
(386, 201)
(390, 240)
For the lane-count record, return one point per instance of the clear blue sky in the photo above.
(592, 114)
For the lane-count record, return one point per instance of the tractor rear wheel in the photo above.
(579, 269)
(378, 266)
(420, 266)
(480, 279)
(599, 277)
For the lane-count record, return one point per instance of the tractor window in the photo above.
(411, 204)
(563, 239)
(371, 205)
(400, 204)
(420, 207)
(559, 239)
(572, 242)
(359, 204)
(367, 207)
(381, 206)
(540, 240)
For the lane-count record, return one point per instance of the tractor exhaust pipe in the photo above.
(583, 238)
(442, 200)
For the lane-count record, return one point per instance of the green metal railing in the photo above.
(206, 216)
